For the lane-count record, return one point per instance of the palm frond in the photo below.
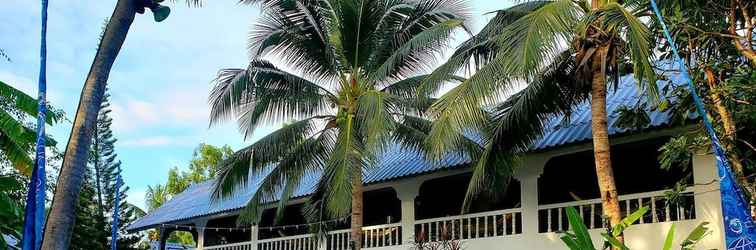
(294, 32)
(513, 125)
(530, 42)
(482, 47)
(235, 173)
(345, 162)
(264, 91)
(492, 172)
(285, 176)
(415, 54)
(375, 116)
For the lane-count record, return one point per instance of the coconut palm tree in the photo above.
(566, 51)
(355, 68)
(61, 218)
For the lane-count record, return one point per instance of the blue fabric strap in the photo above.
(116, 214)
(738, 223)
(34, 213)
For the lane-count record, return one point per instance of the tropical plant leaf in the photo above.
(670, 238)
(626, 222)
(695, 236)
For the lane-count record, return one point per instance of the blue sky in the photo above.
(159, 83)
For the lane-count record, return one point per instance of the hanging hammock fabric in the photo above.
(739, 226)
(34, 213)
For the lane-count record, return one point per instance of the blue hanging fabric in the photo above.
(34, 213)
(738, 223)
(116, 209)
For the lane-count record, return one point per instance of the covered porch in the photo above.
(427, 207)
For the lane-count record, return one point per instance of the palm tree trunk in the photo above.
(61, 218)
(357, 211)
(601, 146)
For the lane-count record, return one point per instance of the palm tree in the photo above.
(156, 196)
(17, 138)
(61, 218)
(355, 70)
(566, 51)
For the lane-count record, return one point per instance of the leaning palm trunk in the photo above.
(601, 146)
(61, 218)
(357, 212)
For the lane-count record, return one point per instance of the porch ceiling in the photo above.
(398, 162)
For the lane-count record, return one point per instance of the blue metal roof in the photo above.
(398, 162)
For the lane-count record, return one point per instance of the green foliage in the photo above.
(578, 238)
(89, 232)
(17, 128)
(11, 212)
(633, 118)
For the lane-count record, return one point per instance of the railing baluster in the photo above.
(667, 214)
(559, 219)
(640, 205)
(592, 212)
(653, 210)
(548, 220)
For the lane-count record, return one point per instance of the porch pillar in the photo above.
(407, 192)
(164, 233)
(707, 198)
(527, 175)
(253, 236)
(200, 224)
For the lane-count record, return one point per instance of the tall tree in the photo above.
(351, 91)
(106, 168)
(566, 51)
(61, 218)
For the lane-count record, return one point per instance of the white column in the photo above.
(707, 198)
(253, 237)
(406, 192)
(200, 224)
(528, 174)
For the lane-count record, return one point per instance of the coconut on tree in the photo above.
(565, 52)
(344, 82)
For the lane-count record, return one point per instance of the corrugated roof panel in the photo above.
(398, 162)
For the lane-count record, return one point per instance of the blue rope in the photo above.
(740, 228)
(34, 213)
(116, 208)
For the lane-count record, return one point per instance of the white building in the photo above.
(407, 196)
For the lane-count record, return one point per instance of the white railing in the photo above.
(553, 217)
(470, 226)
(338, 239)
(382, 235)
(373, 236)
(235, 246)
(298, 242)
